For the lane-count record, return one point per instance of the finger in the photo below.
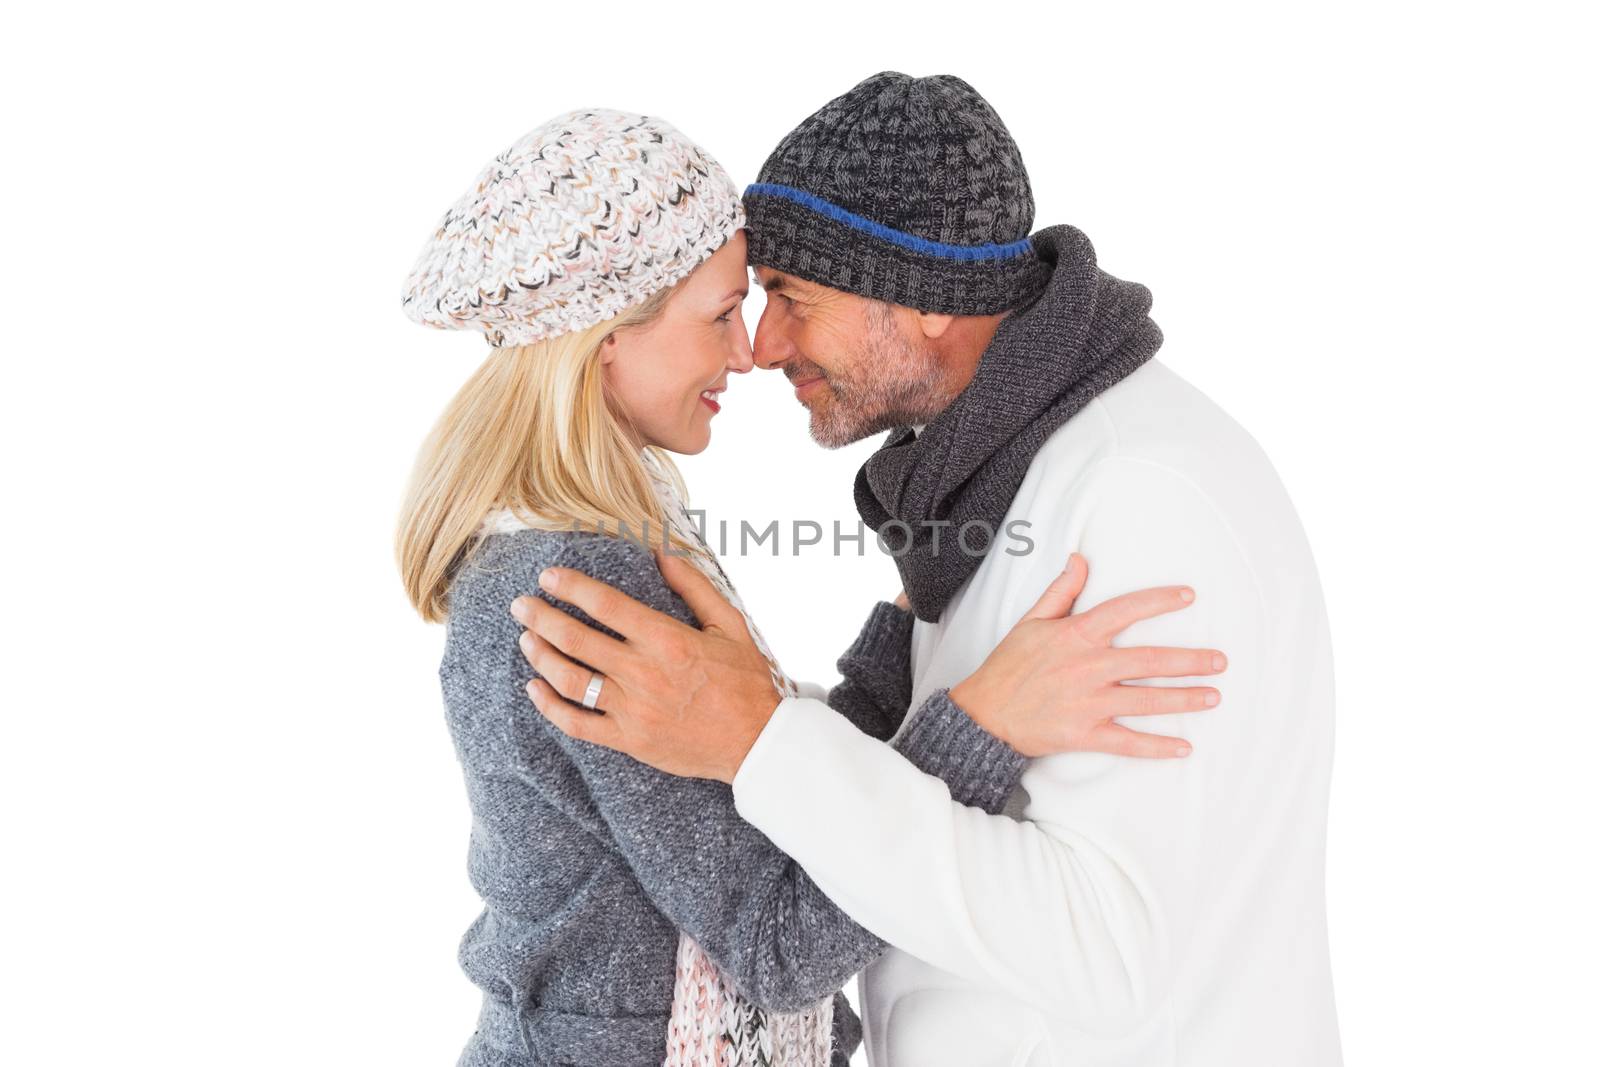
(1123, 700)
(572, 720)
(703, 598)
(1121, 741)
(1104, 621)
(569, 679)
(1147, 661)
(1061, 593)
(602, 603)
(576, 640)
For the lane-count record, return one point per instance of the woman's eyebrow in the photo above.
(740, 293)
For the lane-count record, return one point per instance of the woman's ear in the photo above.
(608, 349)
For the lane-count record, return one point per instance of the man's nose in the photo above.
(772, 345)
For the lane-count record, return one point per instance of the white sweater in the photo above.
(1120, 912)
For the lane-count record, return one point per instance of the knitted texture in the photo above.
(1088, 331)
(581, 218)
(903, 189)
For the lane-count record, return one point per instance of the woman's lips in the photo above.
(708, 398)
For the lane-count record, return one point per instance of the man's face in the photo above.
(859, 366)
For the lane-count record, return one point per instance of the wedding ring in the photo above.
(591, 695)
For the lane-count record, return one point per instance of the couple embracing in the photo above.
(1066, 806)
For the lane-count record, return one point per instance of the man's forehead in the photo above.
(774, 280)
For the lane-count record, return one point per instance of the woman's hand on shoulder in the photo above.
(1054, 684)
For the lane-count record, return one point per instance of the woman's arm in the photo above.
(875, 690)
(753, 909)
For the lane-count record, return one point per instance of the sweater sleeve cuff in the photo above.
(941, 739)
(885, 638)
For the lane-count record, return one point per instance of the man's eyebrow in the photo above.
(774, 283)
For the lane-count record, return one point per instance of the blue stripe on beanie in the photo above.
(897, 237)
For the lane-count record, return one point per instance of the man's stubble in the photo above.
(897, 381)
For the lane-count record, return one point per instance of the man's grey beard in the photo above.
(895, 383)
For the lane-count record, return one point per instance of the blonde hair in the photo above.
(531, 430)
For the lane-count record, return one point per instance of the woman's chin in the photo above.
(691, 442)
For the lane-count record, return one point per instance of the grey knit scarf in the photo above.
(938, 499)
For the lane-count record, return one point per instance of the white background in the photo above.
(234, 827)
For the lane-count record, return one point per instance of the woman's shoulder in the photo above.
(506, 565)
(519, 554)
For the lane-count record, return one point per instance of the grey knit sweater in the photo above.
(589, 862)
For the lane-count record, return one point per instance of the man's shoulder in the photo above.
(1153, 414)
(1154, 418)
(1159, 469)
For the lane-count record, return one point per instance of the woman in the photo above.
(602, 256)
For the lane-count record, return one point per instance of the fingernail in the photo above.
(519, 609)
(1219, 662)
(1212, 699)
(547, 581)
(1186, 595)
(1184, 750)
(526, 640)
(533, 690)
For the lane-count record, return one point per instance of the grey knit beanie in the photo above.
(904, 189)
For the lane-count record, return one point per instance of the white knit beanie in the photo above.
(582, 218)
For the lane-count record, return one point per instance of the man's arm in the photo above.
(1084, 908)
(753, 909)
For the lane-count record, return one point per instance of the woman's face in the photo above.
(667, 377)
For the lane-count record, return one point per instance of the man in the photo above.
(1118, 911)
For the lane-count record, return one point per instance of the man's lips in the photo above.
(804, 385)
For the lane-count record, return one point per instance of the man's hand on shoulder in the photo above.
(686, 701)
